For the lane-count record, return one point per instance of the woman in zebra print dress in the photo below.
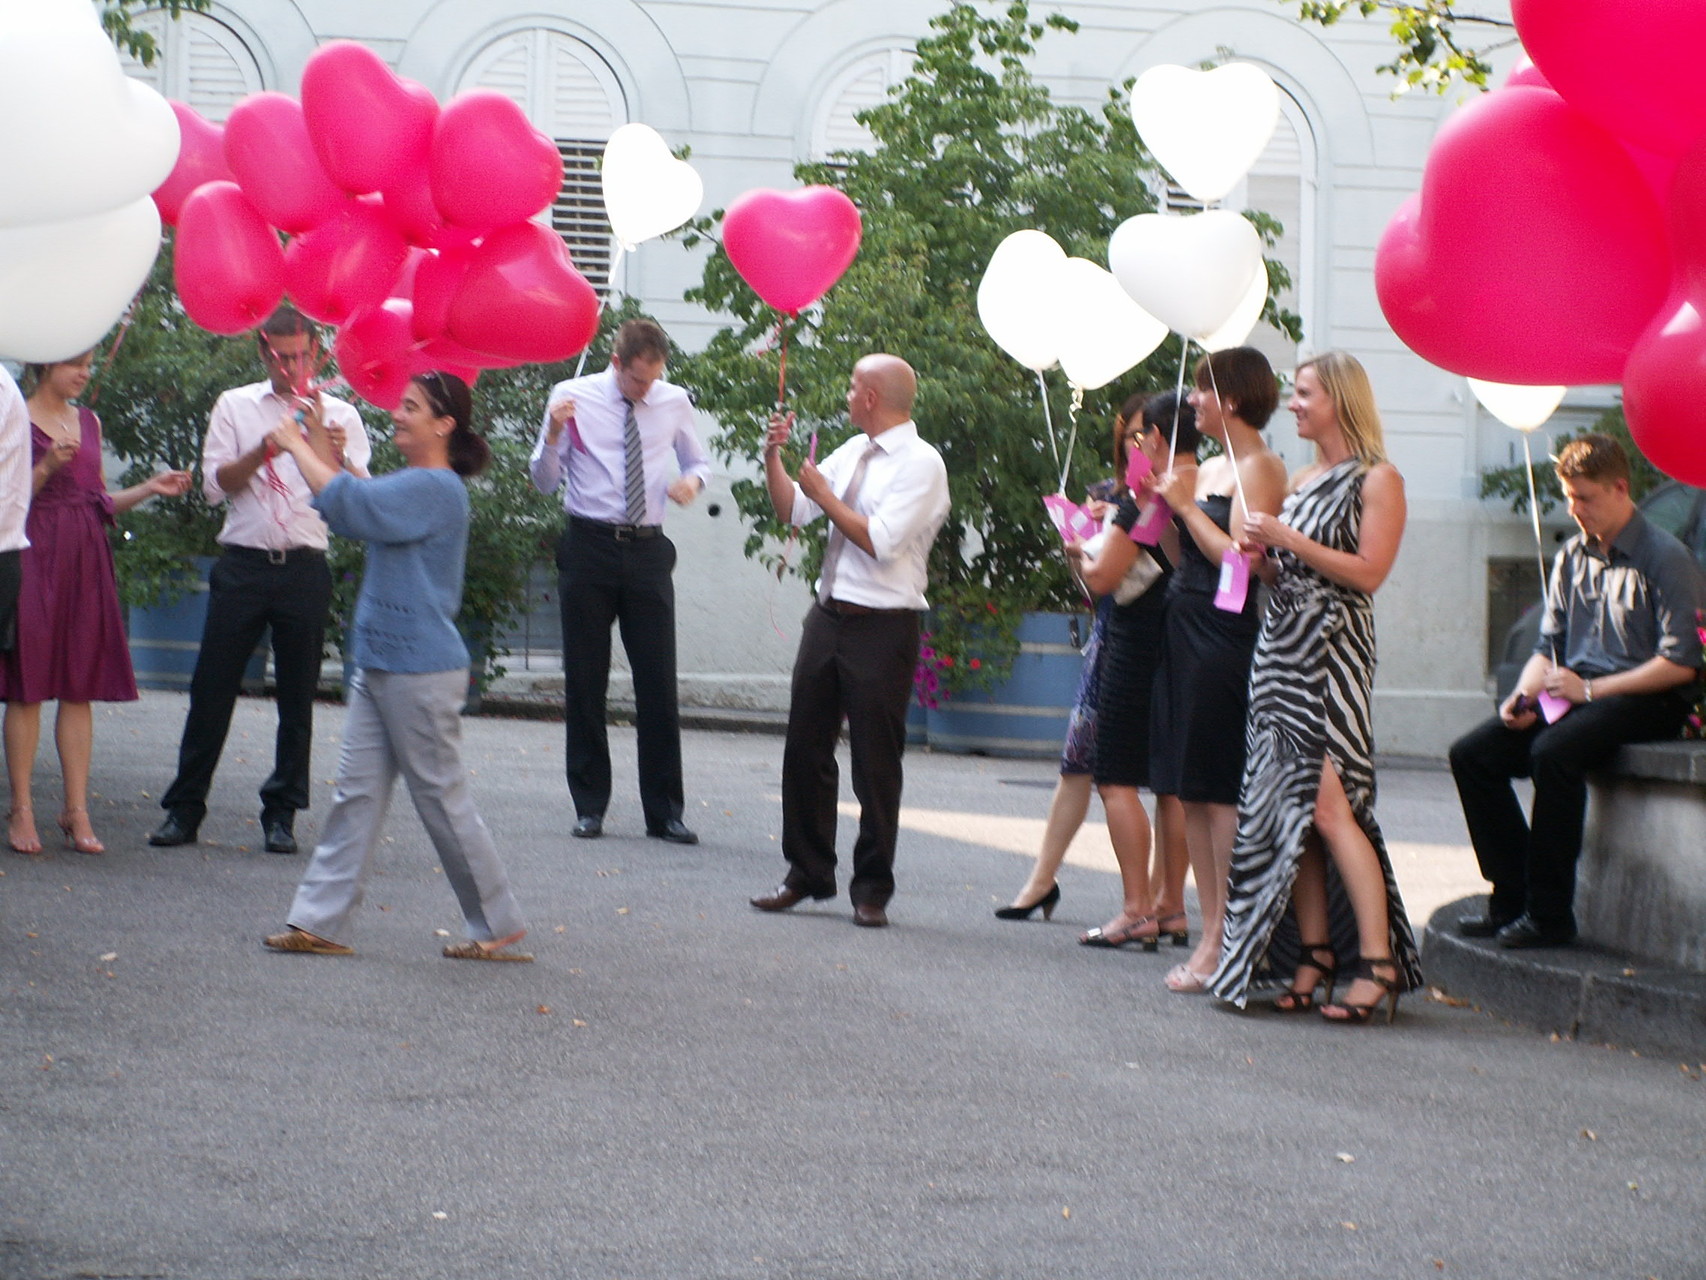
(1307, 838)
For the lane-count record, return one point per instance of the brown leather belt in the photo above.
(845, 609)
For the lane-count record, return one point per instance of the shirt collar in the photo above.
(1625, 544)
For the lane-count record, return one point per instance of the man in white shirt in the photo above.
(607, 440)
(885, 492)
(15, 490)
(271, 575)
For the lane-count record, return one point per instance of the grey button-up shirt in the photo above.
(1610, 609)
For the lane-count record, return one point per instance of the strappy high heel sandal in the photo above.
(1357, 1014)
(1178, 937)
(29, 843)
(1120, 936)
(1296, 1001)
(82, 844)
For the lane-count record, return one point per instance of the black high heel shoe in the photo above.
(1177, 937)
(1046, 903)
(1357, 1014)
(1295, 1001)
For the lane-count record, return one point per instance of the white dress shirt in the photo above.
(272, 512)
(597, 466)
(15, 465)
(904, 496)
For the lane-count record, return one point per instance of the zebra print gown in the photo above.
(1310, 687)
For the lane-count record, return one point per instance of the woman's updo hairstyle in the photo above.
(450, 397)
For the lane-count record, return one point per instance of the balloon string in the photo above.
(125, 322)
(1232, 457)
(1178, 400)
(1539, 542)
(603, 300)
(1048, 419)
(1072, 434)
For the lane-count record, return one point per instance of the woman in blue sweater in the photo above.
(411, 676)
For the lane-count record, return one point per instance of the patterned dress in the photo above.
(1310, 689)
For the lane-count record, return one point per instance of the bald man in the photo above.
(885, 494)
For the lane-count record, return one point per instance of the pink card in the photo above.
(1552, 706)
(1151, 522)
(1137, 468)
(575, 441)
(1234, 581)
(1073, 522)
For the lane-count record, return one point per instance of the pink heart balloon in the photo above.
(436, 282)
(268, 149)
(791, 246)
(1664, 385)
(1631, 65)
(228, 266)
(369, 127)
(490, 166)
(201, 158)
(346, 263)
(522, 299)
(375, 351)
(1535, 252)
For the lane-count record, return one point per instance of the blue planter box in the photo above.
(1025, 715)
(165, 639)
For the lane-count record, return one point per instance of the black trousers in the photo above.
(247, 595)
(857, 667)
(1532, 862)
(11, 579)
(603, 579)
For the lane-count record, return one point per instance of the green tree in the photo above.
(1432, 51)
(116, 21)
(969, 148)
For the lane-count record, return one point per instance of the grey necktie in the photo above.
(837, 539)
(635, 487)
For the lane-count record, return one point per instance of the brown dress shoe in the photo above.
(780, 899)
(869, 916)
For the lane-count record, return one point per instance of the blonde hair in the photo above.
(1346, 383)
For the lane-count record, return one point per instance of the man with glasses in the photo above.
(270, 576)
(607, 440)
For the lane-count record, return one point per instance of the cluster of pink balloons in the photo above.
(410, 225)
(1557, 235)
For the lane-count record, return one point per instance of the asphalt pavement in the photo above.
(683, 1087)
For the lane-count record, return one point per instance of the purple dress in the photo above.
(71, 642)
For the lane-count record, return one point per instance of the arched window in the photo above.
(201, 62)
(863, 83)
(570, 94)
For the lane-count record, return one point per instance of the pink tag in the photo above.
(575, 441)
(1151, 523)
(1073, 522)
(811, 453)
(1552, 706)
(1137, 468)
(1234, 581)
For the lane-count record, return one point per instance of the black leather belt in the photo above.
(281, 555)
(621, 532)
(846, 609)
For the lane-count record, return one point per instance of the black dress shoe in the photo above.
(173, 831)
(1525, 931)
(868, 915)
(781, 898)
(1486, 926)
(589, 827)
(279, 837)
(675, 831)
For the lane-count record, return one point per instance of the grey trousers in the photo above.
(409, 724)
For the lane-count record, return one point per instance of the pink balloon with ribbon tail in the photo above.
(490, 167)
(228, 267)
(201, 158)
(1535, 253)
(368, 126)
(345, 264)
(269, 151)
(791, 246)
(375, 351)
(522, 299)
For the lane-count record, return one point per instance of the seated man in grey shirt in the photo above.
(1620, 645)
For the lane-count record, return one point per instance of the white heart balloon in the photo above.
(1019, 301)
(647, 191)
(1206, 127)
(1243, 319)
(1524, 408)
(1103, 333)
(64, 284)
(1191, 273)
(81, 136)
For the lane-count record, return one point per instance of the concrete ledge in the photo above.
(1583, 992)
(1662, 762)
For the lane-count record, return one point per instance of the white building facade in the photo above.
(753, 88)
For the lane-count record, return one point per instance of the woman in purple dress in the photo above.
(71, 644)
